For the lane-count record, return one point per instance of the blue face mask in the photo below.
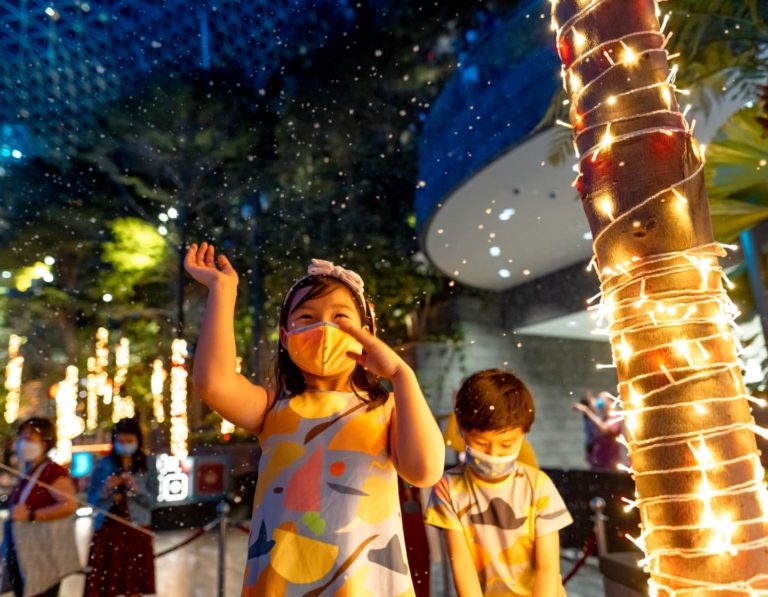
(492, 467)
(122, 449)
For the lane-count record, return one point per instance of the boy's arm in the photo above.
(465, 577)
(547, 565)
(214, 373)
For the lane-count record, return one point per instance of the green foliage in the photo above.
(138, 255)
(737, 175)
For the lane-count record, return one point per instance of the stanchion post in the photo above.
(223, 511)
(598, 507)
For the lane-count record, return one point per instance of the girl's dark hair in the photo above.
(493, 400)
(138, 458)
(45, 427)
(288, 378)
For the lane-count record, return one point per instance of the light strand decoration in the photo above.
(91, 395)
(68, 424)
(13, 373)
(179, 424)
(103, 386)
(668, 317)
(122, 406)
(157, 382)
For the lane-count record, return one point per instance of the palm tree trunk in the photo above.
(690, 430)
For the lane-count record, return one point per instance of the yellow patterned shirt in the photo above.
(500, 522)
(326, 518)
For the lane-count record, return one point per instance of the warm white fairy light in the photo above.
(91, 395)
(13, 372)
(159, 375)
(103, 387)
(68, 424)
(692, 330)
(226, 426)
(179, 425)
(122, 406)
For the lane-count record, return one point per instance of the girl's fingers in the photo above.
(209, 256)
(358, 358)
(200, 256)
(361, 335)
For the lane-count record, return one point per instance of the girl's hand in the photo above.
(199, 262)
(114, 481)
(20, 512)
(377, 357)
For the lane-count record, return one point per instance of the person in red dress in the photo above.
(121, 559)
(36, 437)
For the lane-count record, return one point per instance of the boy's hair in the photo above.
(493, 400)
(288, 378)
(43, 427)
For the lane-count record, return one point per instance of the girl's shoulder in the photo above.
(52, 471)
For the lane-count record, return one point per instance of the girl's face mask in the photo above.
(28, 451)
(126, 449)
(321, 349)
(492, 467)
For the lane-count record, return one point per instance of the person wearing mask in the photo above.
(605, 453)
(121, 559)
(44, 495)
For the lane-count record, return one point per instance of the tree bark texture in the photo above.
(690, 430)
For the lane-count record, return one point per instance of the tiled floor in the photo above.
(192, 570)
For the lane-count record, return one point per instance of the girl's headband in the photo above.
(352, 280)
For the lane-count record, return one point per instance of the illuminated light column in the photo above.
(159, 375)
(92, 395)
(103, 387)
(68, 424)
(179, 425)
(13, 371)
(122, 407)
(691, 435)
(226, 426)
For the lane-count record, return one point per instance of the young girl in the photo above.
(326, 516)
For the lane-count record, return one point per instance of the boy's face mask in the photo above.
(492, 467)
(321, 349)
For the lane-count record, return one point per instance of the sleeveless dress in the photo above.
(326, 518)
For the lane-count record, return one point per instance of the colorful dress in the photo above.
(500, 522)
(326, 517)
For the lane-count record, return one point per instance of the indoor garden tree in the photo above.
(691, 434)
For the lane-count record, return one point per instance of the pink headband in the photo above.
(352, 280)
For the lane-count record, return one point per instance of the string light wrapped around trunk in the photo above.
(68, 424)
(690, 432)
(123, 406)
(179, 374)
(159, 375)
(13, 371)
(103, 386)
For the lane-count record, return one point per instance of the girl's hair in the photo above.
(494, 400)
(42, 426)
(288, 378)
(138, 458)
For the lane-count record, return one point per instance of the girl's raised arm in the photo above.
(418, 451)
(214, 372)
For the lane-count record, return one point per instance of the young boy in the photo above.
(500, 517)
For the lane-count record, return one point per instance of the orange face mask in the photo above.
(321, 349)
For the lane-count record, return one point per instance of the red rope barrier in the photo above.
(589, 549)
